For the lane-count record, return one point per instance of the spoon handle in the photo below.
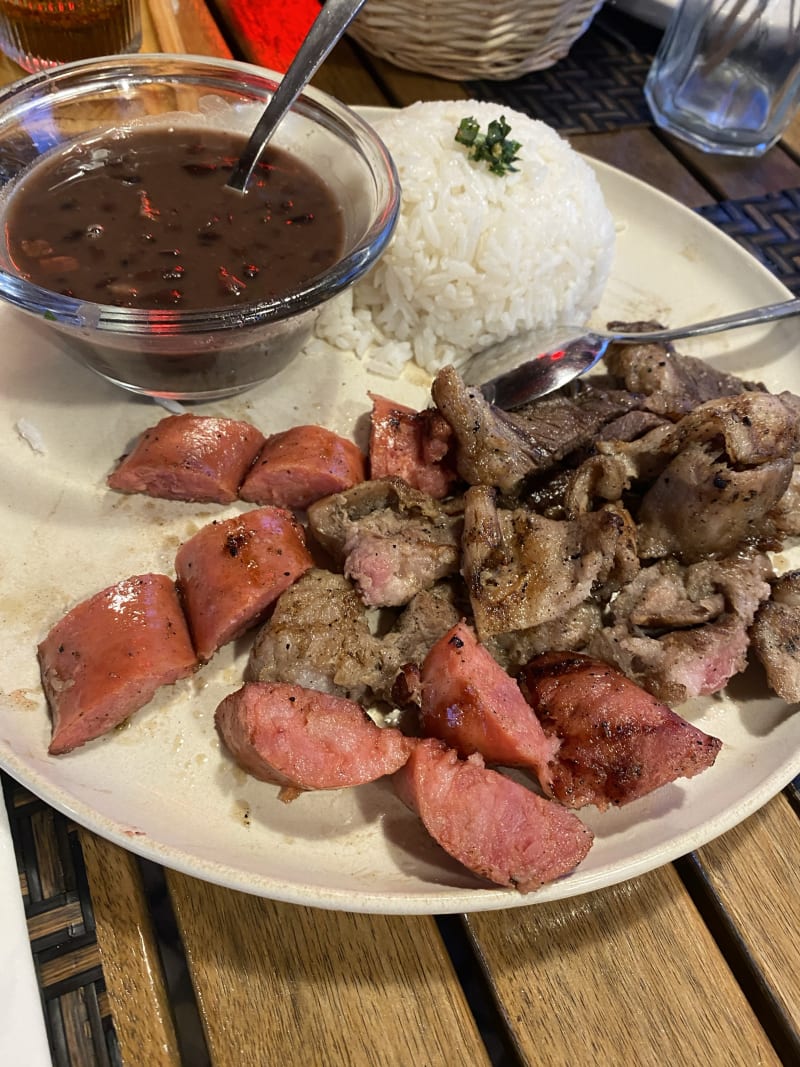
(768, 313)
(325, 31)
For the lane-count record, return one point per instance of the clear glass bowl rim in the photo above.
(146, 68)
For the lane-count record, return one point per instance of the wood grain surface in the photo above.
(751, 876)
(131, 963)
(627, 975)
(283, 984)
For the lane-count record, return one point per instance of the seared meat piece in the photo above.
(523, 570)
(190, 457)
(318, 637)
(302, 739)
(776, 637)
(489, 823)
(569, 632)
(616, 742)
(412, 445)
(107, 656)
(754, 427)
(734, 462)
(682, 632)
(673, 385)
(615, 467)
(470, 703)
(631, 426)
(391, 540)
(429, 614)
(230, 572)
(301, 465)
(500, 449)
(785, 516)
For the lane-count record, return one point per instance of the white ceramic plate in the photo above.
(162, 787)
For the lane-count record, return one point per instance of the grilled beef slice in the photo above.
(523, 570)
(671, 384)
(318, 636)
(390, 539)
(500, 449)
(733, 462)
(776, 637)
(682, 632)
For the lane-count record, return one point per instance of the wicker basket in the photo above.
(462, 39)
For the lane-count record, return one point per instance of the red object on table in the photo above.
(270, 32)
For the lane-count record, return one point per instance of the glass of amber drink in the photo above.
(38, 34)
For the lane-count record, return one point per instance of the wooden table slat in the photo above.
(131, 965)
(752, 874)
(281, 983)
(626, 975)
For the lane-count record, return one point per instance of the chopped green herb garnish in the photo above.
(492, 147)
(50, 316)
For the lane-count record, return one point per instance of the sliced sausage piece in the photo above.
(303, 739)
(302, 465)
(412, 445)
(617, 742)
(190, 457)
(108, 655)
(470, 703)
(494, 826)
(231, 571)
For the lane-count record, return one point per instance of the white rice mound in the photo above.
(475, 256)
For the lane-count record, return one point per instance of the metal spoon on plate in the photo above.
(327, 28)
(535, 363)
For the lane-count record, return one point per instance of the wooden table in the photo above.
(697, 962)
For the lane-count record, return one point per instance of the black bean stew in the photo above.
(146, 221)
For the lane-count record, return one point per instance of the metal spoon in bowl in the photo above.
(534, 363)
(325, 31)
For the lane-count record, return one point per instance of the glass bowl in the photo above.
(216, 352)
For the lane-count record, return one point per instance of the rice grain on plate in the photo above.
(476, 256)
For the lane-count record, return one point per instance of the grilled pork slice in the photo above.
(190, 457)
(616, 742)
(671, 384)
(412, 445)
(301, 465)
(470, 703)
(523, 569)
(108, 655)
(302, 739)
(390, 539)
(428, 615)
(318, 636)
(231, 571)
(776, 637)
(495, 827)
(501, 449)
(682, 632)
(733, 462)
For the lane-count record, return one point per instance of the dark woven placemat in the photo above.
(768, 227)
(58, 909)
(596, 87)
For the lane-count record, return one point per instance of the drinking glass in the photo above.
(726, 77)
(38, 34)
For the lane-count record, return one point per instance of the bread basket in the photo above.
(467, 39)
